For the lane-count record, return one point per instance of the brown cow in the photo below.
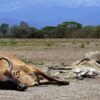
(28, 74)
(7, 79)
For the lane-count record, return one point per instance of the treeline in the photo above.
(64, 30)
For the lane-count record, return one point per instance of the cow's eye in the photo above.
(14, 73)
(9, 75)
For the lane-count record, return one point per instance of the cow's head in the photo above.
(8, 80)
(28, 79)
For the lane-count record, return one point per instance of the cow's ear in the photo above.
(17, 74)
(6, 72)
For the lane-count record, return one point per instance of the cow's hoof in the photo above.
(79, 78)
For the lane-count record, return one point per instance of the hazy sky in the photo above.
(40, 13)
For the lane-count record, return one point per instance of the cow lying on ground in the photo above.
(28, 74)
(88, 66)
(7, 79)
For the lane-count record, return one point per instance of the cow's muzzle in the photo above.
(21, 87)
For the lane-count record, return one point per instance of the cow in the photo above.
(29, 74)
(7, 79)
(87, 67)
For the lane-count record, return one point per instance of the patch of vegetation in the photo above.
(8, 43)
(51, 43)
(82, 45)
(35, 62)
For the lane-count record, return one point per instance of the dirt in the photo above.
(44, 57)
(87, 89)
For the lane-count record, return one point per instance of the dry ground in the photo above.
(44, 53)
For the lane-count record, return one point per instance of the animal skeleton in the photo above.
(88, 66)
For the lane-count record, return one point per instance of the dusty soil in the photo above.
(44, 56)
(77, 90)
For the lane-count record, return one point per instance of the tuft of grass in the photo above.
(49, 44)
(82, 45)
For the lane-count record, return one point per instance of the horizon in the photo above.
(43, 13)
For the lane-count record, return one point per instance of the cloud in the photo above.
(13, 5)
(69, 3)
(91, 3)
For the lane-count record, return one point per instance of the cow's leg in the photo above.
(43, 81)
(46, 76)
(38, 78)
(52, 80)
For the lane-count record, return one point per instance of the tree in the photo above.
(72, 25)
(97, 32)
(60, 31)
(65, 29)
(4, 29)
(21, 31)
(15, 30)
(33, 33)
(24, 29)
(48, 31)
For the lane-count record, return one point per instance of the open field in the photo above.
(47, 52)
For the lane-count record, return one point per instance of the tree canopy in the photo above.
(68, 29)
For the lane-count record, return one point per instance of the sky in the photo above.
(41, 13)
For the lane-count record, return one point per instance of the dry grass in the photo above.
(41, 51)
